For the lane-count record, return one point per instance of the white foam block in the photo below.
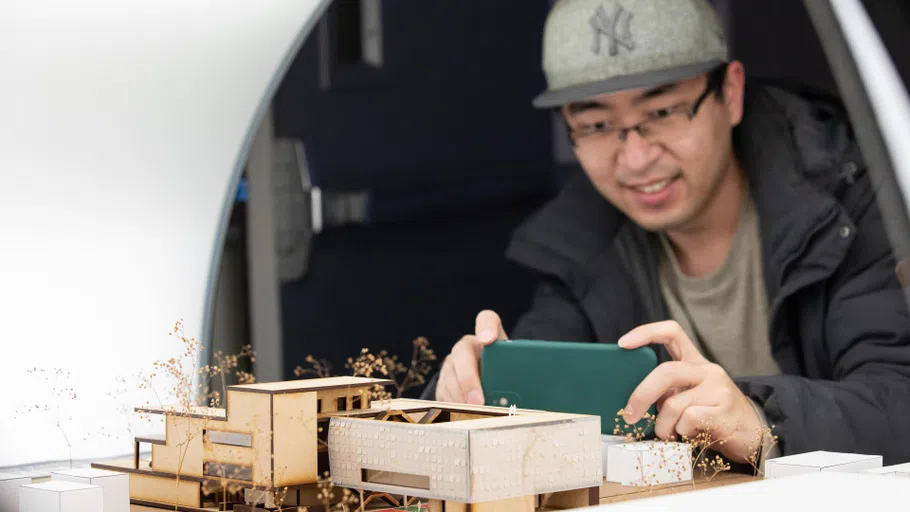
(649, 463)
(114, 485)
(36, 477)
(896, 470)
(60, 496)
(605, 443)
(9, 491)
(812, 462)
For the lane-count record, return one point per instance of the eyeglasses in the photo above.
(661, 127)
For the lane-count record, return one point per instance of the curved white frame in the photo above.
(124, 130)
(885, 89)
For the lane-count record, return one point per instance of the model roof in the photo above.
(295, 386)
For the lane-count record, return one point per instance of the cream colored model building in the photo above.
(466, 455)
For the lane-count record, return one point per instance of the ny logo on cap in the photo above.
(615, 27)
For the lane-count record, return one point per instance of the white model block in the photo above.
(605, 443)
(35, 477)
(649, 463)
(9, 491)
(897, 470)
(60, 496)
(115, 485)
(812, 462)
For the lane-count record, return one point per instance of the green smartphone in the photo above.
(561, 376)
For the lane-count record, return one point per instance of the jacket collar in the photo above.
(792, 150)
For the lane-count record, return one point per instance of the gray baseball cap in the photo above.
(593, 47)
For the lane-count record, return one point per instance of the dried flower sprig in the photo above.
(62, 391)
(381, 365)
(388, 366)
(319, 368)
(226, 364)
(703, 446)
(327, 495)
(767, 440)
(181, 372)
(635, 432)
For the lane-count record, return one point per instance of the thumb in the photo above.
(488, 327)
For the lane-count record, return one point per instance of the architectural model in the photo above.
(455, 455)
(271, 444)
(813, 462)
(648, 463)
(268, 442)
(893, 470)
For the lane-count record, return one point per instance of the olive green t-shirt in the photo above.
(726, 313)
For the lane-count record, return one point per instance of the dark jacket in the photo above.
(838, 322)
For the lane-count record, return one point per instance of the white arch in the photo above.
(123, 130)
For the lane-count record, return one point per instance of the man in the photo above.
(730, 227)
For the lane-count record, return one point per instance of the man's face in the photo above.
(665, 180)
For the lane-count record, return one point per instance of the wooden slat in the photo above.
(614, 493)
(152, 439)
(304, 385)
(203, 413)
(165, 491)
(125, 466)
(430, 415)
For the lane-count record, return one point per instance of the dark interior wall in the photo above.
(445, 134)
(775, 39)
(452, 98)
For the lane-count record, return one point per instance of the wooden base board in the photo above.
(615, 493)
(567, 500)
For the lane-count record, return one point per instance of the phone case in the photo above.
(559, 376)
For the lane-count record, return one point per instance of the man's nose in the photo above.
(637, 153)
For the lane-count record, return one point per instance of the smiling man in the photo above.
(727, 224)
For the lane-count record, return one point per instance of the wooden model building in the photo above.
(268, 448)
(265, 442)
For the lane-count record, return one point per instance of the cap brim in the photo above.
(554, 98)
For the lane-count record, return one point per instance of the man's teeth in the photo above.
(654, 187)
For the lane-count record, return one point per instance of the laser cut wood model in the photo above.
(265, 442)
(268, 448)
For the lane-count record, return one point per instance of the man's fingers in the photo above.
(668, 394)
(447, 389)
(671, 410)
(488, 328)
(465, 364)
(666, 376)
(695, 419)
(667, 333)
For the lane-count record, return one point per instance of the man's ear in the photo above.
(734, 91)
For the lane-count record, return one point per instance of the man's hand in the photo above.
(692, 395)
(459, 379)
